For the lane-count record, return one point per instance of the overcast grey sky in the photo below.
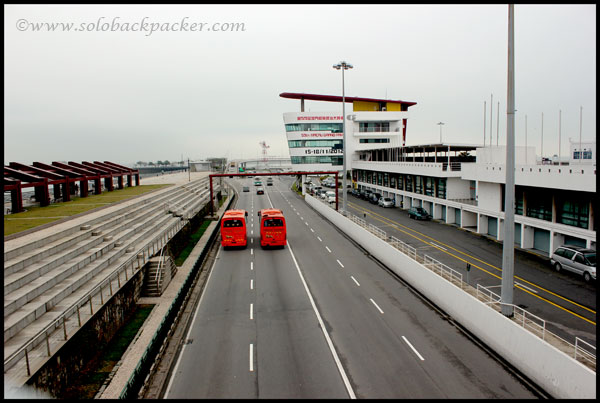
(116, 91)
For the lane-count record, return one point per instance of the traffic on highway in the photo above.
(317, 317)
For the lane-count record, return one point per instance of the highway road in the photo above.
(563, 300)
(320, 319)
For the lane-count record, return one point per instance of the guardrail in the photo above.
(133, 264)
(581, 350)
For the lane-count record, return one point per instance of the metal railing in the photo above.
(158, 275)
(133, 264)
(582, 354)
(443, 270)
(581, 350)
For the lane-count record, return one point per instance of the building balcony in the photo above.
(436, 169)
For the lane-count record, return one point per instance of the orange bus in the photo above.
(272, 228)
(233, 228)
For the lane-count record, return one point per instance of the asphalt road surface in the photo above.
(320, 319)
(563, 300)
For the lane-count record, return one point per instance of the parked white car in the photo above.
(576, 259)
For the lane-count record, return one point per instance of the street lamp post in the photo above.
(440, 124)
(343, 66)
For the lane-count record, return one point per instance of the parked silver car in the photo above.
(576, 259)
(386, 202)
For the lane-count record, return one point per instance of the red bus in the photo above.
(272, 228)
(233, 228)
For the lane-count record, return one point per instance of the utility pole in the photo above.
(525, 139)
(542, 149)
(580, 126)
(498, 124)
(484, 124)
(491, 117)
(559, 124)
(508, 246)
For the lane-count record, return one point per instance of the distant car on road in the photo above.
(330, 196)
(257, 183)
(246, 189)
(386, 202)
(260, 191)
(418, 213)
(374, 198)
(576, 259)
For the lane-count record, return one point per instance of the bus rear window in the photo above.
(273, 222)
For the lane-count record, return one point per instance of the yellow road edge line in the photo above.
(375, 215)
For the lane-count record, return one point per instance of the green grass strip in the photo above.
(194, 238)
(92, 377)
(36, 216)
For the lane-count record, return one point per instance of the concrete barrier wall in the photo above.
(558, 374)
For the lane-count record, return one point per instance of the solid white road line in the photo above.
(438, 246)
(376, 306)
(323, 329)
(192, 323)
(524, 286)
(413, 349)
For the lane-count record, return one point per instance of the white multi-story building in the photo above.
(464, 184)
(315, 139)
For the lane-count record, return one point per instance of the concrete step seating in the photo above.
(41, 295)
(24, 269)
(46, 277)
(35, 250)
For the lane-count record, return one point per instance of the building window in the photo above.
(573, 212)
(386, 179)
(419, 184)
(539, 205)
(429, 186)
(374, 127)
(325, 159)
(379, 178)
(299, 127)
(316, 143)
(441, 188)
(518, 201)
(374, 140)
(409, 181)
(587, 155)
(392, 181)
(400, 183)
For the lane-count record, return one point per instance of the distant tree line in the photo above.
(158, 163)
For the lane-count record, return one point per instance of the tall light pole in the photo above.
(508, 245)
(441, 124)
(343, 66)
